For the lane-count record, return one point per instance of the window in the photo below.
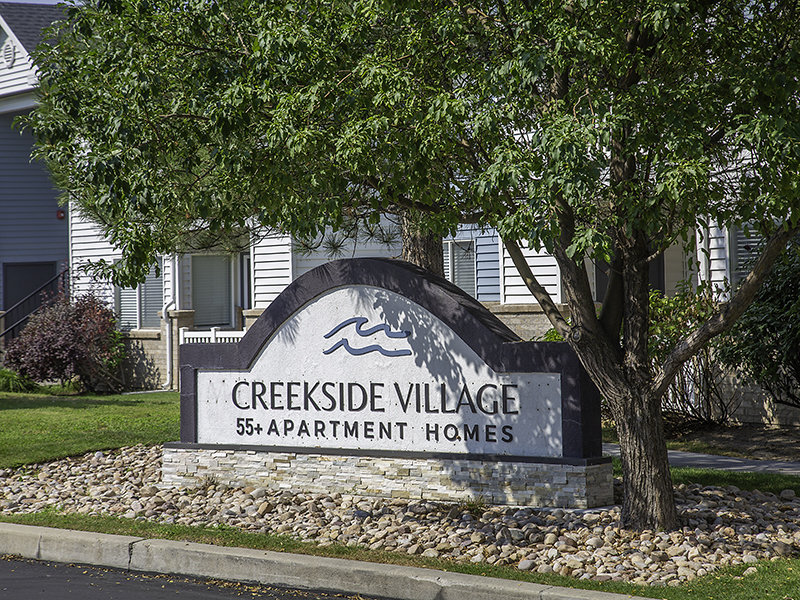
(745, 247)
(459, 264)
(245, 288)
(212, 290)
(137, 308)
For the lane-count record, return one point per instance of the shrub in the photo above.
(697, 393)
(68, 340)
(11, 381)
(551, 335)
(764, 344)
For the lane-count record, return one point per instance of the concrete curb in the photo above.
(270, 568)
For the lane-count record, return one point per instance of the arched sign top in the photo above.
(468, 318)
(378, 356)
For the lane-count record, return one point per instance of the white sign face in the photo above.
(365, 368)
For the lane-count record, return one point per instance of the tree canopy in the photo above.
(598, 130)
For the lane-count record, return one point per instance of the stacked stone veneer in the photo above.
(515, 483)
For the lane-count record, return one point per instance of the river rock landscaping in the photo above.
(723, 526)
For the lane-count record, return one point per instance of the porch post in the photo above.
(180, 318)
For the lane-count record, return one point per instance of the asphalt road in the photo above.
(22, 579)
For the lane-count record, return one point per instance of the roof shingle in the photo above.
(28, 20)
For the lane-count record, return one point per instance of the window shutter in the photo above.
(151, 296)
(447, 250)
(211, 290)
(125, 307)
(745, 248)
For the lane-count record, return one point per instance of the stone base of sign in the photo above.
(443, 479)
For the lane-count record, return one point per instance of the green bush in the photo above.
(764, 344)
(551, 335)
(10, 381)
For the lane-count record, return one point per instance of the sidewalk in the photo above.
(678, 458)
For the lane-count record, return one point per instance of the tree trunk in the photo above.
(649, 501)
(420, 246)
(649, 498)
(622, 374)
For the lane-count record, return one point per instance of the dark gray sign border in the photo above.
(496, 344)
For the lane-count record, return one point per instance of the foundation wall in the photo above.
(454, 480)
(757, 407)
(145, 360)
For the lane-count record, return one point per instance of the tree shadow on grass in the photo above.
(20, 402)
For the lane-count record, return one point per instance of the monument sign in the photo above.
(378, 361)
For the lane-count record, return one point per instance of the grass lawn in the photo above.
(763, 482)
(36, 428)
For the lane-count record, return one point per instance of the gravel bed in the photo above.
(723, 526)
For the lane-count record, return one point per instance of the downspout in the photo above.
(703, 253)
(165, 314)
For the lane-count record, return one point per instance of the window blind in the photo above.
(459, 264)
(211, 290)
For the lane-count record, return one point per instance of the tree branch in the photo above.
(404, 201)
(232, 24)
(542, 296)
(727, 313)
(573, 272)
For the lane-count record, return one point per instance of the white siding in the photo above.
(20, 77)
(544, 267)
(185, 282)
(166, 277)
(712, 254)
(361, 249)
(271, 263)
(88, 245)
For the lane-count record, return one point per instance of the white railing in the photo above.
(213, 336)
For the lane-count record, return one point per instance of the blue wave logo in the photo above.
(360, 322)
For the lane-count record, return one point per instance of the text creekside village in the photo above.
(372, 399)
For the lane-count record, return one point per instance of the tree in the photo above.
(598, 130)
